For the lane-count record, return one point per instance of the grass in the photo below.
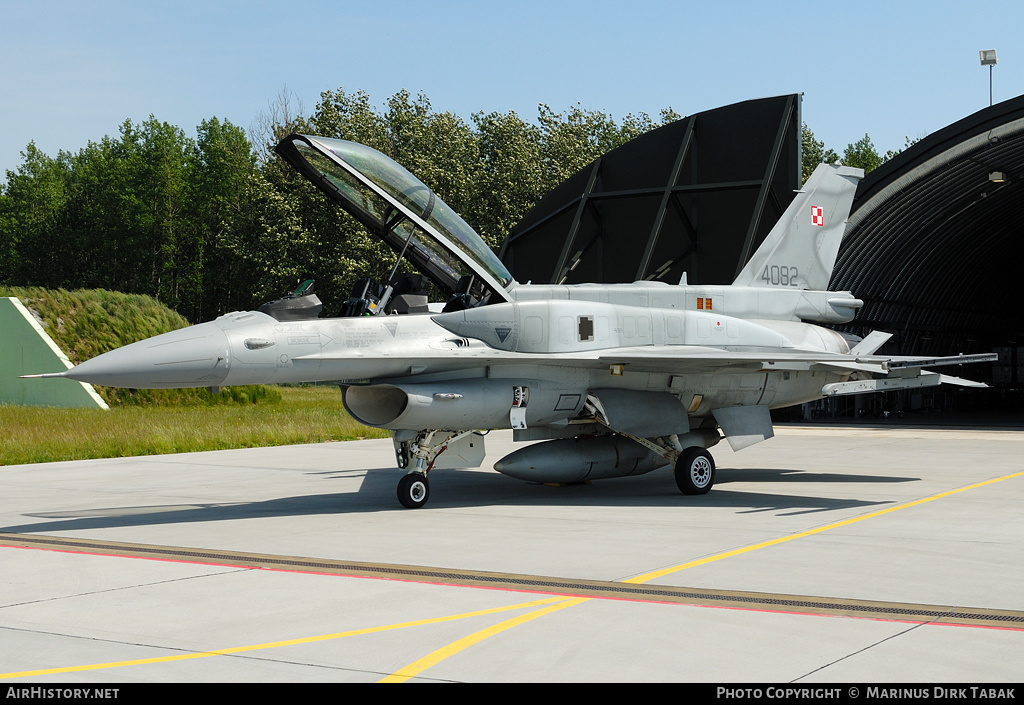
(86, 323)
(302, 415)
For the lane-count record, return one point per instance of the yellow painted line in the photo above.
(437, 656)
(647, 577)
(416, 667)
(276, 644)
(552, 604)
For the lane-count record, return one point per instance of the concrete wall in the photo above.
(25, 348)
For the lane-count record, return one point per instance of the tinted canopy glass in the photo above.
(399, 208)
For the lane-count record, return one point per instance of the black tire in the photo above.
(413, 490)
(695, 471)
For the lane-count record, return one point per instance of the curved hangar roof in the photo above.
(935, 241)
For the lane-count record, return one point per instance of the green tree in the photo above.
(510, 177)
(906, 144)
(219, 222)
(571, 141)
(222, 195)
(349, 116)
(161, 159)
(284, 115)
(862, 154)
(813, 152)
(491, 171)
(32, 204)
(131, 212)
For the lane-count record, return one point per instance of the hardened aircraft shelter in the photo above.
(697, 196)
(934, 244)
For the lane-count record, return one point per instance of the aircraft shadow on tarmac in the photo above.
(461, 489)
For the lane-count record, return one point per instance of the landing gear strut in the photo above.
(695, 471)
(413, 490)
(418, 451)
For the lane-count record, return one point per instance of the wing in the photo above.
(872, 372)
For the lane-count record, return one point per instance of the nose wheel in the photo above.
(413, 490)
(695, 471)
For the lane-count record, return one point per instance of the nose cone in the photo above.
(191, 357)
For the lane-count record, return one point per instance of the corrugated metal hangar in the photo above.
(935, 241)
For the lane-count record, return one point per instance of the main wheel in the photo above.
(413, 490)
(695, 471)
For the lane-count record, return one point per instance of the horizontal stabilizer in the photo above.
(961, 382)
(870, 344)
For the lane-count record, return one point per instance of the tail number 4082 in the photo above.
(780, 275)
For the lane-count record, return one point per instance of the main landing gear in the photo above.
(694, 467)
(417, 452)
(695, 471)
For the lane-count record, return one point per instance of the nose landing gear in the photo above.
(413, 490)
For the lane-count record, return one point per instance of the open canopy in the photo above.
(403, 211)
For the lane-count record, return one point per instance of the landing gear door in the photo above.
(465, 452)
(517, 414)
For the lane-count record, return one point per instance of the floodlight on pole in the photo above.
(988, 58)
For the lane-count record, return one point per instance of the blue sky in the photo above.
(74, 71)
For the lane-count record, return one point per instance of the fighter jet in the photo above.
(612, 379)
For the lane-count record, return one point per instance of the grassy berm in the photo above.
(147, 422)
(88, 322)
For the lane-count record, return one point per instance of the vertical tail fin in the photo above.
(800, 251)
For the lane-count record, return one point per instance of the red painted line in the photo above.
(528, 591)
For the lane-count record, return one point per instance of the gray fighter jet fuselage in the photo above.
(615, 379)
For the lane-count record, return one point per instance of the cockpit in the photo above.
(400, 209)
